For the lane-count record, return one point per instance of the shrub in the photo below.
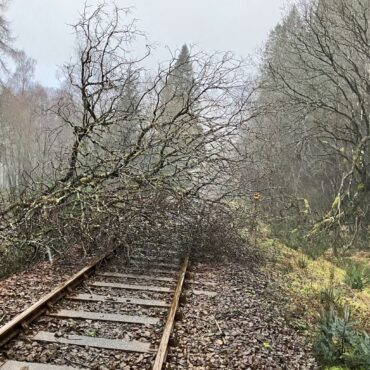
(330, 297)
(302, 263)
(355, 277)
(333, 337)
(337, 343)
(317, 247)
(359, 357)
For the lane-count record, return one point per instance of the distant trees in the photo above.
(22, 79)
(29, 134)
(26, 129)
(6, 48)
(313, 136)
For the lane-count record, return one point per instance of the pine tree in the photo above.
(181, 125)
(179, 82)
(183, 72)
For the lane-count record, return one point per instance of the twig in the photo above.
(87, 287)
(221, 332)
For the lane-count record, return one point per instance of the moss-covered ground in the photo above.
(305, 280)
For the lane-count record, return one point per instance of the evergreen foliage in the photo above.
(339, 343)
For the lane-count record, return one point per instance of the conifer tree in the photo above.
(182, 128)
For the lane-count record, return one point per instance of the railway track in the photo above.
(110, 315)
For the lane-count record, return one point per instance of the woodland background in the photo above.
(208, 151)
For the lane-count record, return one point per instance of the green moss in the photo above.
(304, 285)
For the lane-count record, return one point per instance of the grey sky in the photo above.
(41, 29)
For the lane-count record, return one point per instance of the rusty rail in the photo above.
(170, 322)
(22, 321)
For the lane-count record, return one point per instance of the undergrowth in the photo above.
(357, 273)
(331, 298)
(338, 343)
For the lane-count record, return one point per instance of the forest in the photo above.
(264, 158)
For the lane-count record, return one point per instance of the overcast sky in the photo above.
(41, 26)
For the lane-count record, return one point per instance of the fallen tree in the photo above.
(146, 154)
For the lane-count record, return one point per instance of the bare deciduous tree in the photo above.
(177, 151)
(313, 132)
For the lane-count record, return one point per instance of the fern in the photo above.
(355, 277)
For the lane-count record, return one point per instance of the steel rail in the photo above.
(170, 322)
(22, 321)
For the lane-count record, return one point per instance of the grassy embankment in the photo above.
(315, 284)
